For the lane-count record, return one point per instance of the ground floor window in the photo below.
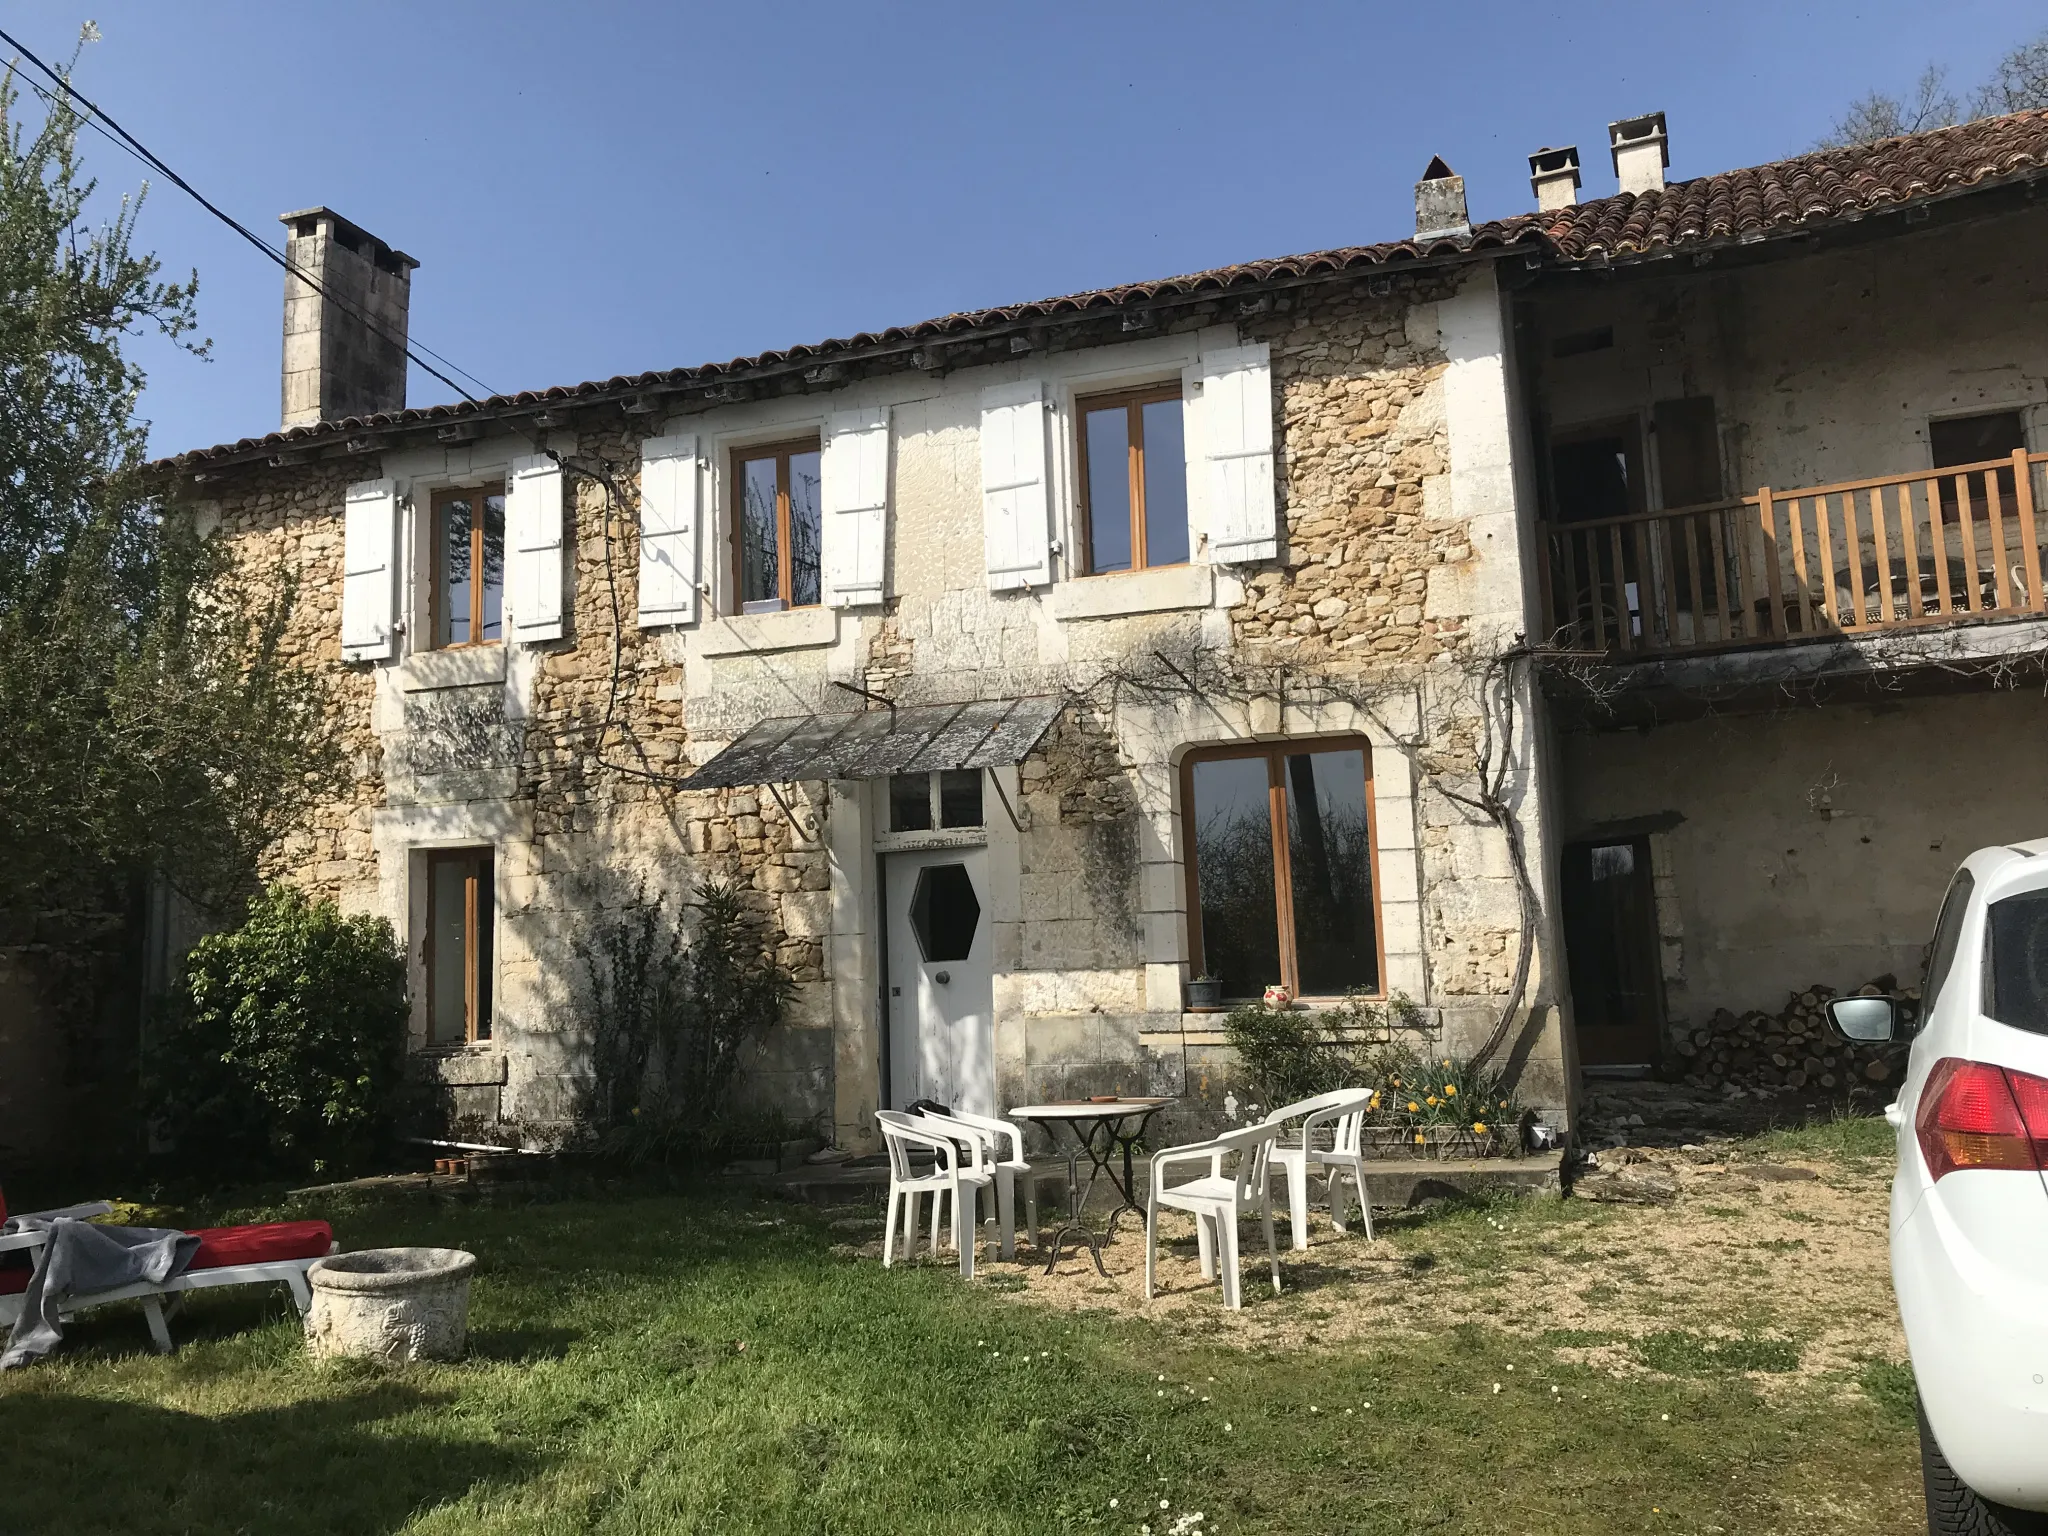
(460, 910)
(1279, 844)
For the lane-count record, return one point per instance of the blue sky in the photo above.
(606, 188)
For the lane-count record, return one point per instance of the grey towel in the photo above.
(79, 1260)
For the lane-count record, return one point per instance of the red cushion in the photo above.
(269, 1243)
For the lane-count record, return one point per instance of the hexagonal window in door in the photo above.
(944, 912)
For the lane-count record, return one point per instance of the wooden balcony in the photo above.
(1892, 553)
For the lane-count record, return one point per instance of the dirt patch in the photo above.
(1776, 1269)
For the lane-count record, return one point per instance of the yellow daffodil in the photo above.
(1419, 1138)
(1479, 1127)
(1450, 1090)
(1413, 1107)
(1447, 1061)
(1433, 1101)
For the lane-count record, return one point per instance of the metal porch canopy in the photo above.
(872, 744)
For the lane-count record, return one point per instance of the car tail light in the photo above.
(1974, 1115)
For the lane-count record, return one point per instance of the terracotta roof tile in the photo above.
(1750, 204)
(1823, 187)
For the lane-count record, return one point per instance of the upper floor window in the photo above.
(951, 797)
(1973, 440)
(778, 526)
(469, 565)
(1279, 844)
(1134, 479)
(1597, 470)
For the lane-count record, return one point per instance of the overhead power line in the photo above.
(115, 134)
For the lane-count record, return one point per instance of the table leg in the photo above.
(1127, 1187)
(1075, 1227)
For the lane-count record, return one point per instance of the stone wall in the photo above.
(286, 524)
(565, 758)
(1810, 845)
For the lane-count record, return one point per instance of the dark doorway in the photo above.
(1610, 938)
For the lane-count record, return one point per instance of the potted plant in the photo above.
(1205, 994)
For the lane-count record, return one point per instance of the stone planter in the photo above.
(391, 1304)
(1438, 1142)
(1205, 995)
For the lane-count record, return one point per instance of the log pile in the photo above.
(1793, 1050)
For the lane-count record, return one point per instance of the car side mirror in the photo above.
(1865, 1020)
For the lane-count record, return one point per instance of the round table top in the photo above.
(1085, 1110)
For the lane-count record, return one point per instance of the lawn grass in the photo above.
(674, 1363)
(1845, 1136)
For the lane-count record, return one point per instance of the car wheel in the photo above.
(1954, 1507)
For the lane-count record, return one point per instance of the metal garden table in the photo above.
(1101, 1129)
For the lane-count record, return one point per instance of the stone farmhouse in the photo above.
(1569, 625)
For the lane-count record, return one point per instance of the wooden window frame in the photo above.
(781, 453)
(1134, 402)
(476, 986)
(437, 595)
(1276, 753)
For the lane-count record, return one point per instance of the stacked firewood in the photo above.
(1793, 1050)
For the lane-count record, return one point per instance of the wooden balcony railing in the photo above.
(1888, 553)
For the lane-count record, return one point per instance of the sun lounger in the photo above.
(268, 1253)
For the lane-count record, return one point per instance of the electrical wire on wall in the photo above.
(68, 98)
(615, 500)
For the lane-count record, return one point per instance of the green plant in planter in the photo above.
(283, 1043)
(1442, 1100)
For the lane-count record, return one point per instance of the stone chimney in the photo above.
(344, 342)
(1554, 176)
(1440, 203)
(1641, 150)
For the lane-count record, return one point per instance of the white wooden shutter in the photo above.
(1016, 520)
(669, 485)
(1236, 418)
(369, 575)
(856, 505)
(533, 549)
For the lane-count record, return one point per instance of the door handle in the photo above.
(942, 977)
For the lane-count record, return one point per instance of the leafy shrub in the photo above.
(1295, 1053)
(669, 1019)
(283, 1042)
(1288, 1054)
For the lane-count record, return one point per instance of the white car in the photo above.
(1969, 1204)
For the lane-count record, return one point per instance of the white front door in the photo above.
(941, 981)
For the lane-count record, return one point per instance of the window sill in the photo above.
(1161, 590)
(467, 666)
(475, 1065)
(796, 630)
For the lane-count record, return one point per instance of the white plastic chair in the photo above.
(1216, 1201)
(1010, 1170)
(1343, 1110)
(901, 1132)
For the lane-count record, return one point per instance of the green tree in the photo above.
(149, 720)
(283, 1042)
